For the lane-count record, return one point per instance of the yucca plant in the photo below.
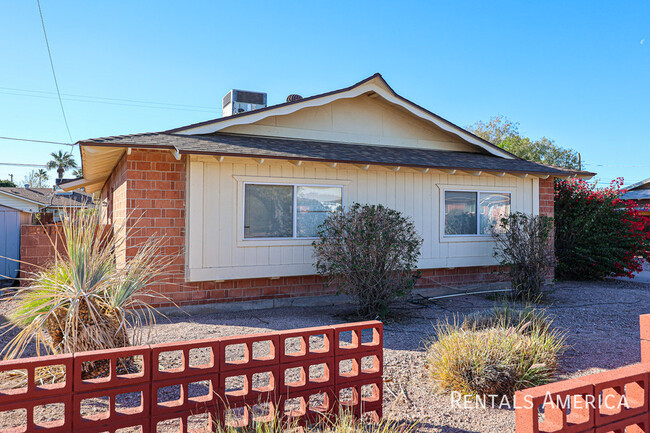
(86, 300)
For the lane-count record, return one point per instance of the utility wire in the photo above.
(34, 141)
(23, 165)
(56, 82)
(98, 99)
(615, 165)
(108, 101)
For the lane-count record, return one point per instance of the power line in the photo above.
(101, 98)
(108, 101)
(35, 141)
(56, 82)
(23, 165)
(615, 165)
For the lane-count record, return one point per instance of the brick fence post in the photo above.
(644, 328)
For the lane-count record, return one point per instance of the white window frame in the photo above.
(295, 183)
(484, 237)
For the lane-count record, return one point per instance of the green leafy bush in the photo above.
(523, 245)
(370, 253)
(597, 234)
(495, 353)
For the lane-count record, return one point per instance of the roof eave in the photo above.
(564, 174)
(23, 198)
(638, 184)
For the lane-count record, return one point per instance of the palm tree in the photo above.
(78, 172)
(61, 162)
(41, 176)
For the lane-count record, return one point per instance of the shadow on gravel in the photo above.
(442, 429)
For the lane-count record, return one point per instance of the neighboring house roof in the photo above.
(298, 149)
(642, 184)
(100, 155)
(46, 197)
(638, 191)
(639, 194)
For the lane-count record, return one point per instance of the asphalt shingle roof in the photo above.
(638, 194)
(47, 196)
(285, 148)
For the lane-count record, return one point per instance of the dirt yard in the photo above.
(601, 319)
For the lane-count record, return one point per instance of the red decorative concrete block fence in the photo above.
(282, 358)
(615, 401)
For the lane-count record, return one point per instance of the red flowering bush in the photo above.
(597, 234)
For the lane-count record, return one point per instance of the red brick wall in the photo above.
(37, 246)
(155, 198)
(547, 207)
(460, 276)
(114, 193)
(254, 289)
(147, 192)
(74, 389)
(150, 185)
(546, 197)
(609, 401)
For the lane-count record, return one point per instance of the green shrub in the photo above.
(495, 353)
(370, 253)
(523, 244)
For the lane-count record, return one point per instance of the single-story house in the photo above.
(49, 200)
(17, 208)
(240, 197)
(640, 193)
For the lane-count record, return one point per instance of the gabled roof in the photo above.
(310, 150)
(47, 197)
(373, 84)
(638, 184)
(100, 155)
(638, 191)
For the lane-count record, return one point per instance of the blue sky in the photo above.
(576, 72)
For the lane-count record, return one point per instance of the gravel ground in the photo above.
(601, 319)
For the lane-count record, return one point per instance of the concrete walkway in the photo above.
(641, 277)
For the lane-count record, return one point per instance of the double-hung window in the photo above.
(282, 211)
(474, 212)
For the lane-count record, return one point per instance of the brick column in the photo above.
(146, 191)
(547, 207)
(644, 326)
(155, 204)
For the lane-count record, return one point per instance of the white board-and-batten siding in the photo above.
(216, 249)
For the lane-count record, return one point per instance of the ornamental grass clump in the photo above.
(496, 353)
(369, 252)
(86, 299)
(343, 422)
